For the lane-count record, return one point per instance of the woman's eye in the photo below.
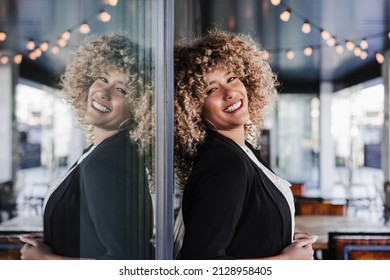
(121, 90)
(211, 91)
(231, 79)
(103, 79)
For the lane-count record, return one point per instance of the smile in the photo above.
(100, 107)
(233, 107)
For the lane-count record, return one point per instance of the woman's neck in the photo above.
(100, 135)
(236, 135)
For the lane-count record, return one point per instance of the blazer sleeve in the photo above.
(213, 204)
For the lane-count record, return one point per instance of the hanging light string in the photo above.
(359, 49)
(37, 47)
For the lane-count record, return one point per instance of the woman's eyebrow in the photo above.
(225, 75)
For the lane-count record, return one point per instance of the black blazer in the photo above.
(103, 208)
(231, 209)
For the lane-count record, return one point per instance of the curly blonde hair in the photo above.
(95, 56)
(237, 53)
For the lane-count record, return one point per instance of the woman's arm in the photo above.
(35, 249)
(212, 204)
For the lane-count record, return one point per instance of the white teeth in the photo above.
(100, 107)
(233, 107)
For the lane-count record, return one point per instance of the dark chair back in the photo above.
(338, 242)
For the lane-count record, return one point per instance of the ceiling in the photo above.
(46, 20)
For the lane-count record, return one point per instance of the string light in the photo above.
(379, 58)
(18, 59)
(331, 41)
(84, 28)
(363, 44)
(62, 42)
(30, 44)
(325, 34)
(3, 36)
(285, 16)
(4, 59)
(55, 49)
(308, 51)
(339, 49)
(44, 46)
(104, 16)
(357, 51)
(265, 55)
(66, 35)
(111, 2)
(363, 54)
(290, 54)
(275, 2)
(306, 28)
(349, 45)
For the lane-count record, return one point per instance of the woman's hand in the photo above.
(300, 249)
(34, 248)
(302, 235)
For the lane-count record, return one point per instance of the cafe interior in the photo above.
(328, 133)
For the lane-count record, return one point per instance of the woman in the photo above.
(233, 206)
(101, 209)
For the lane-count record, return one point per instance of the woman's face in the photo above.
(226, 102)
(107, 101)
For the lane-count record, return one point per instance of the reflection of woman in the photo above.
(233, 206)
(102, 208)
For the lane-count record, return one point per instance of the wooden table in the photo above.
(322, 225)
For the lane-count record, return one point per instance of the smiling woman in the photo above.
(234, 207)
(101, 209)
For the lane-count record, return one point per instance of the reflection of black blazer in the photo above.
(102, 209)
(231, 209)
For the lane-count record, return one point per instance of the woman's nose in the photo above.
(230, 93)
(104, 93)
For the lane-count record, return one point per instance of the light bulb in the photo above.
(357, 51)
(104, 16)
(4, 59)
(55, 49)
(339, 49)
(325, 34)
(62, 42)
(18, 59)
(30, 45)
(44, 46)
(308, 51)
(364, 44)
(350, 45)
(275, 2)
(265, 55)
(111, 2)
(363, 54)
(380, 58)
(306, 27)
(331, 41)
(84, 28)
(66, 35)
(3, 36)
(290, 54)
(285, 16)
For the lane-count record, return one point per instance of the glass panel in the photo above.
(296, 151)
(50, 139)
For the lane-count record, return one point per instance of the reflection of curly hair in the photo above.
(91, 60)
(236, 52)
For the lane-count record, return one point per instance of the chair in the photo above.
(374, 243)
(298, 189)
(314, 207)
(367, 252)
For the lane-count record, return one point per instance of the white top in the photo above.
(282, 184)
